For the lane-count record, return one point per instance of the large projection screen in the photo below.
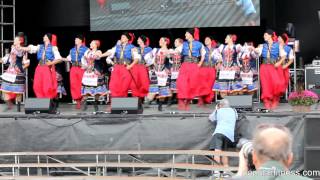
(109, 15)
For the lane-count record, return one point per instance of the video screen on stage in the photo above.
(109, 15)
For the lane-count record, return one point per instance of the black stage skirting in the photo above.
(130, 132)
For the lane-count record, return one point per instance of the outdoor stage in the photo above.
(74, 130)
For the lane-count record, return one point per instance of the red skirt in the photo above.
(120, 81)
(45, 82)
(76, 74)
(286, 76)
(188, 81)
(207, 76)
(270, 82)
(281, 85)
(141, 82)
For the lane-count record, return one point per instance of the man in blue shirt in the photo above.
(223, 136)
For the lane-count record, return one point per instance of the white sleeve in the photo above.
(154, 55)
(282, 52)
(69, 57)
(220, 48)
(33, 49)
(259, 49)
(239, 48)
(109, 60)
(112, 52)
(56, 53)
(25, 59)
(253, 54)
(291, 54)
(149, 58)
(179, 49)
(203, 51)
(83, 59)
(135, 54)
(5, 59)
(216, 55)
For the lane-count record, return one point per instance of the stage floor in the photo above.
(69, 109)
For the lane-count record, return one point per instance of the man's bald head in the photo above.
(273, 142)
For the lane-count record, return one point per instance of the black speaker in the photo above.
(240, 101)
(311, 131)
(39, 105)
(126, 106)
(312, 76)
(312, 145)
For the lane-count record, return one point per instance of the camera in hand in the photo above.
(247, 148)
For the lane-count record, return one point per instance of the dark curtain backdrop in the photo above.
(68, 18)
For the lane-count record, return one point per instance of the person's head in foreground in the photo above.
(272, 142)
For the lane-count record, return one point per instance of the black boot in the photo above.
(160, 106)
(147, 103)
(57, 103)
(55, 106)
(85, 105)
(170, 102)
(19, 106)
(96, 108)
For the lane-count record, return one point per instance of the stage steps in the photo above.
(39, 163)
(86, 178)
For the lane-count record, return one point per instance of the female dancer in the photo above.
(162, 71)
(229, 70)
(175, 67)
(93, 82)
(13, 80)
(288, 59)
(76, 72)
(248, 73)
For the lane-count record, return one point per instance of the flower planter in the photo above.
(301, 108)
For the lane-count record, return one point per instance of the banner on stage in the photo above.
(10, 77)
(90, 79)
(229, 75)
(247, 78)
(174, 74)
(162, 78)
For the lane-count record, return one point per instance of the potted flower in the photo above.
(301, 101)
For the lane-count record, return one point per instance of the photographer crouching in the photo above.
(223, 136)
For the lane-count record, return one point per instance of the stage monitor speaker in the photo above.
(240, 101)
(311, 161)
(311, 131)
(38, 105)
(126, 106)
(312, 145)
(312, 76)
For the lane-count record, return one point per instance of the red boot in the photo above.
(78, 106)
(187, 105)
(200, 102)
(267, 104)
(275, 103)
(181, 105)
